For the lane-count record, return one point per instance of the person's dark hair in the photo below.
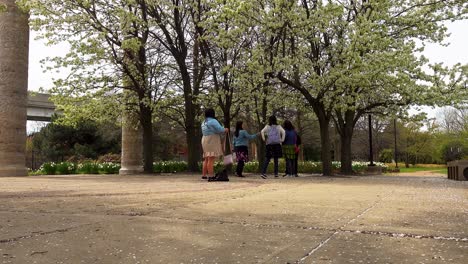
(210, 112)
(287, 125)
(272, 120)
(238, 128)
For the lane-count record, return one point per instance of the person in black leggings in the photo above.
(273, 135)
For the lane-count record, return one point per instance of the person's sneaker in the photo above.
(276, 176)
(242, 176)
(204, 177)
(296, 175)
(263, 176)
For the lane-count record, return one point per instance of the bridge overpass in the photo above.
(39, 107)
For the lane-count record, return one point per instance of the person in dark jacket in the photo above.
(290, 148)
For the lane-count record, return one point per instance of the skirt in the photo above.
(242, 153)
(289, 152)
(274, 151)
(212, 146)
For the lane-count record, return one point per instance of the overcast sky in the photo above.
(456, 52)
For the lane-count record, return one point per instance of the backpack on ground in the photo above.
(273, 136)
(220, 176)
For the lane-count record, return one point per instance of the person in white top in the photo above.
(273, 135)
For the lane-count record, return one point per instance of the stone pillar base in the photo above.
(11, 171)
(131, 170)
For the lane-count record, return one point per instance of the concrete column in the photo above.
(132, 146)
(14, 49)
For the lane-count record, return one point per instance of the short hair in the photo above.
(210, 112)
(272, 120)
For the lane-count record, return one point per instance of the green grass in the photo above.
(444, 170)
(415, 169)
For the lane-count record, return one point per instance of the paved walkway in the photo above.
(181, 219)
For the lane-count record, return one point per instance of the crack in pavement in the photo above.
(390, 234)
(251, 224)
(340, 229)
(42, 233)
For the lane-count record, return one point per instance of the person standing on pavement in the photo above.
(241, 143)
(289, 149)
(273, 135)
(211, 142)
(298, 150)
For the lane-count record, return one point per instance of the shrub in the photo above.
(92, 167)
(34, 173)
(109, 157)
(88, 168)
(310, 166)
(65, 168)
(170, 166)
(454, 150)
(48, 168)
(108, 168)
(386, 155)
(303, 167)
(76, 159)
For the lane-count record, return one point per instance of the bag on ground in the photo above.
(220, 176)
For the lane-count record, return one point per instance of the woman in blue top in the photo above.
(211, 142)
(289, 149)
(241, 143)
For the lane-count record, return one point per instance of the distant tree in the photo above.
(455, 149)
(386, 155)
(58, 142)
(350, 58)
(114, 64)
(454, 120)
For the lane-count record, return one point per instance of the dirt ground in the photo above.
(413, 218)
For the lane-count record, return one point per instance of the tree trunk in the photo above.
(299, 130)
(227, 146)
(407, 155)
(324, 121)
(193, 137)
(192, 126)
(346, 136)
(325, 141)
(227, 121)
(147, 126)
(346, 160)
(261, 120)
(14, 49)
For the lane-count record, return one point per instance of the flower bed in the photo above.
(94, 167)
